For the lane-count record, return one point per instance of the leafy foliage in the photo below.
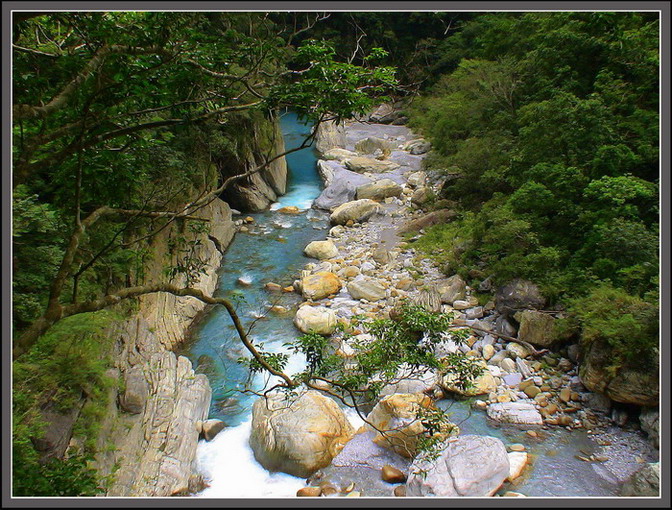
(546, 126)
(67, 364)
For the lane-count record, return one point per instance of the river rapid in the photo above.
(272, 251)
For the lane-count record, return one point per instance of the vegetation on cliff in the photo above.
(547, 131)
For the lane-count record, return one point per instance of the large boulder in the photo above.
(522, 413)
(422, 196)
(644, 483)
(315, 319)
(452, 289)
(379, 190)
(536, 328)
(398, 417)
(418, 146)
(428, 220)
(469, 466)
(329, 135)
(320, 285)
(321, 250)
(326, 171)
(298, 437)
(480, 385)
(362, 164)
(338, 192)
(366, 288)
(372, 144)
(629, 385)
(417, 179)
(518, 295)
(356, 211)
(338, 154)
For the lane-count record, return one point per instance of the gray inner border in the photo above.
(365, 5)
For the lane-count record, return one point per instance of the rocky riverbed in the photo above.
(527, 425)
(376, 193)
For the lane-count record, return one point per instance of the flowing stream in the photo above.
(273, 252)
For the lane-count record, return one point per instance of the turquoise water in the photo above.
(271, 252)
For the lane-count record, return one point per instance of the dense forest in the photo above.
(544, 130)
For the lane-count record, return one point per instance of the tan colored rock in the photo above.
(397, 416)
(484, 383)
(355, 211)
(517, 462)
(400, 491)
(488, 351)
(378, 190)
(309, 492)
(390, 474)
(565, 394)
(362, 164)
(338, 154)
(366, 288)
(532, 391)
(290, 209)
(320, 285)
(536, 328)
(321, 250)
(316, 319)
(298, 437)
(273, 287)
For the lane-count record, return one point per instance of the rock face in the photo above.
(257, 191)
(397, 416)
(356, 211)
(329, 136)
(536, 328)
(645, 482)
(155, 439)
(321, 250)
(626, 385)
(136, 391)
(362, 164)
(315, 319)
(515, 412)
(649, 419)
(469, 466)
(320, 285)
(170, 314)
(298, 438)
(156, 448)
(379, 190)
(428, 220)
(518, 295)
(366, 288)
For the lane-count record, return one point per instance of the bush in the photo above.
(627, 323)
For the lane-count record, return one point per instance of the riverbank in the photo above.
(534, 393)
(367, 251)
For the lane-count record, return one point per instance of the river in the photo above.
(272, 251)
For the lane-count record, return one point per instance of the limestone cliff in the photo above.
(148, 438)
(258, 191)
